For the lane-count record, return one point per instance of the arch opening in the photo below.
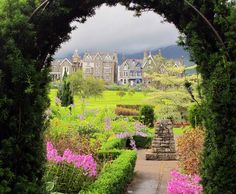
(31, 32)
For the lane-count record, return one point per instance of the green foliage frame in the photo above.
(32, 30)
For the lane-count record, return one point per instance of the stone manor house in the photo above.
(105, 66)
(100, 65)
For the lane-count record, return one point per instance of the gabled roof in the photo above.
(111, 57)
(132, 64)
(66, 60)
(59, 62)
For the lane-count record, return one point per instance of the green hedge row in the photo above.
(117, 143)
(104, 155)
(136, 107)
(115, 176)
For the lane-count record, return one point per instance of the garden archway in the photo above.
(32, 30)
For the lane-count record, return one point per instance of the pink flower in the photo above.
(184, 184)
(86, 162)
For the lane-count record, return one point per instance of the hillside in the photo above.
(169, 52)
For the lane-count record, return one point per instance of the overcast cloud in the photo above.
(116, 29)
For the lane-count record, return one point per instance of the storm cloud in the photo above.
(116, 29)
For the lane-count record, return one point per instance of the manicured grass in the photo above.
(109, 99)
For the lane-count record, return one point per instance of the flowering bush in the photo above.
(184, 184)
(189, 148)
(76, 143)
(69, 172)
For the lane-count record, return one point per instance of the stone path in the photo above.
(151, 177)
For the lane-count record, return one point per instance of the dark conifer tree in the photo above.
(64, 92)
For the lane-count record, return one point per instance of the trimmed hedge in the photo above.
(136, 107)
(115, 176)
(143, 142)
(126, 111)
(108, 155)
(116, 143)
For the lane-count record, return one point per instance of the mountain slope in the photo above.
(169, 52)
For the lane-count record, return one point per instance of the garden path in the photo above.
(151, 177)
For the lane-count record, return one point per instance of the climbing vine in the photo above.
(32, 30)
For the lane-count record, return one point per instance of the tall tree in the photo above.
(64, 92)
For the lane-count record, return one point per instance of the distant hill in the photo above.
(169, 52)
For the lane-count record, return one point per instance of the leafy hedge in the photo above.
(126, 111)
(115, 176)
(143, 142)
(109, 155)
(136, 107)
(117, 143)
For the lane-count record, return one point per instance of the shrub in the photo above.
(136, 107)
(196, 116)
(115, 176)
(143, 142)
(190, 146)
(181, 184)
(109, 155)
(126, 111)
(116, 143)
(87, 129)
(147, 115)
(77, 144)
(65, 94)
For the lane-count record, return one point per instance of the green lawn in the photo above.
(109, 99)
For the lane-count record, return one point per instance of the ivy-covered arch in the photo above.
(32, 30)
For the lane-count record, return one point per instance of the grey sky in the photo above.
(116, 29)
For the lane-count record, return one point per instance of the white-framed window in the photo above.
(65, 70)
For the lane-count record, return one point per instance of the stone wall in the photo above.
(163, 145)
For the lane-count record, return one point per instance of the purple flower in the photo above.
(139, 133)
(107, 124)
(132, 143)
(124, 135)
(139, 126)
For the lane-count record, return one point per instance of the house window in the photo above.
(88, 70)
(65, 70)
(107, 70)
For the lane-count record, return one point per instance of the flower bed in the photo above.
(68, 173)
